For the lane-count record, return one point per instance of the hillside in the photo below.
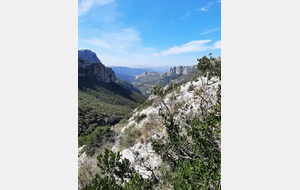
(102, 104)
(103, 99)
(173, 138)
(147, 80)
(127, 85)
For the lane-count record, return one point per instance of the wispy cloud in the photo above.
(186, 15)
(117, 41)
(205, 8)
(85, 5)
(209, 31)
(217, 45)
(193, 46)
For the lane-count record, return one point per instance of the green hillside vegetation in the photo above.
(192, 76)
(127, 85)
(146, 84)
(191, 153)
(102, 104)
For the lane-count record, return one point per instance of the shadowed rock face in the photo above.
(95, 70)
(181, 70)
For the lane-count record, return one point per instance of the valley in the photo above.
(135, 125)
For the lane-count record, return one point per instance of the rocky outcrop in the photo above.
(145, 74)
(181, 70)
(88, 55)
(141, 154)
(96, 70)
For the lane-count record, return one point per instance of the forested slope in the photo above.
(102, 104)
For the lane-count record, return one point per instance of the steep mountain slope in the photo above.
(101, 104)
(173, 139)
(145, 123)
(127, 85)
(101, 100)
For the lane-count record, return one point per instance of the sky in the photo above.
(150, 33)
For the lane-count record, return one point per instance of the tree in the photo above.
(193, 151)
(117, 174)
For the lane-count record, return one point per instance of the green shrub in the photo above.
(130, 136)
(145, 105)
(100, 137)
(172, 87)
(139, 118)
(191, 88)
(117, 174)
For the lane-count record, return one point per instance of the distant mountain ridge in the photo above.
(145, 81)
(145, 74)
(181, 70)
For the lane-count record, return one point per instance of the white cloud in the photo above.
(210, 31)
(217, 45)
(85, 5)
(186, 15)
(117, 41)
(205, 8)
(193, 46)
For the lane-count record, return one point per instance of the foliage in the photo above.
(193, 151)
(102, 135)
(139, 117)
(145, 84)
(130, 136)
(116, 174)
(191, 88)
(102, 104)
(172, 87)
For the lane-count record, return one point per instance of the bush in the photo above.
(191, 153)
(195, 147)
(191, 88)
(139, 118)
(117, 174)
(172, 87)
(130, 136)
(101, 136)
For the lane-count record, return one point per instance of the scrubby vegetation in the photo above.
(145, 84)
(130, 136)
(145, 105)
(172, 87)
(100, 136)
(102, 104)
(139, 117)
(191, 153)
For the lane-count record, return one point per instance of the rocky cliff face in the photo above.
(147, 74)
(88, 55)
(96, 70)
(181, 70)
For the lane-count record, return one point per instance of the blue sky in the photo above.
(139, 33)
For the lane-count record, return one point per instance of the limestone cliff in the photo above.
(181, 70)
(96, 70)
(145, 74)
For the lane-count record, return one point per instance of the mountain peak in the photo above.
(88, 55)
